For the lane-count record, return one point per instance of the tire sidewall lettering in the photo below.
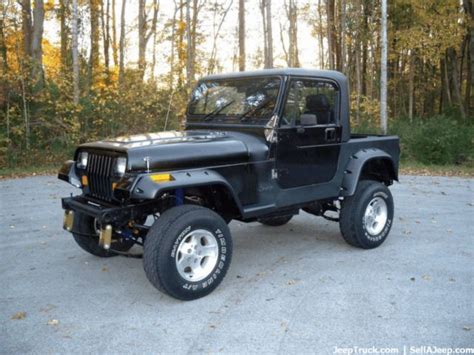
(383, 234)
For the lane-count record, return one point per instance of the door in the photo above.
(309, 134)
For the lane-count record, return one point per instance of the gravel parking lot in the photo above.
(291, 289)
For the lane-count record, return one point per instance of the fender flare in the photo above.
(146, 188)
(356, 164)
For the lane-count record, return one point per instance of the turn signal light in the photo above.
(161, 177)
(84, 180)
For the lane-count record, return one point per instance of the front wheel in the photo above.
(187, 252)
(366, 217)
(87, 237)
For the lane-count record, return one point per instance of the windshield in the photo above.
(252, 100)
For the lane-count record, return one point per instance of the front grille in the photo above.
(99, 174)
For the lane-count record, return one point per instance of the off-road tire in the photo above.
(161, 248)
(87, 238)
(275, 221)
(351, 222)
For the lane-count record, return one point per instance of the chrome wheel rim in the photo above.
(376, 216)
(197, 255)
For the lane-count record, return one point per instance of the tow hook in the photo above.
(105, 237)
(68, 220)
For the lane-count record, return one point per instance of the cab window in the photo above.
(310, 103)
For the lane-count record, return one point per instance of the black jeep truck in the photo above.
(257, 146)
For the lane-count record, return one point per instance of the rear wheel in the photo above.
(366, 217)
(275, 221)
(187, 252)
(87, 238)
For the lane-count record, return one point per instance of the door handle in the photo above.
(300, 129)
(330, 134)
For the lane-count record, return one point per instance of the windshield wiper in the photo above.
(217, 110)
(244, 115)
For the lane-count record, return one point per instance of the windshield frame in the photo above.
(197, 119)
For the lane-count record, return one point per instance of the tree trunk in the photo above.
(358, 80)
(321, 35)
(411, 86)
(293, 34)
(3, 49)
(105, 34)
(330, 30)
(75, 53)
(114, 36)
(269, 34)
(36, 44)
(342, 25)
(27, 26)
(64, 33)
(453, 69)
(122, 44)
(383, 69)
(265, 38)
(189, 54)
(241, 35)
(469, 10)
(94, 38)
(142, 29)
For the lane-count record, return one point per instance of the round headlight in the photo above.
(120, 166)
(82, 160)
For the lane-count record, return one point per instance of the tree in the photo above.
(217, 29)
(331, 36)
(94, 42)
(383, 69)
(241, 35)
(292, 14)
(266, 10)
(75, 53)
(145, 31)
(122, 43)
(64, 13)
(104, 15)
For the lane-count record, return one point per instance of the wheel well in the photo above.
(380, 169)
(216, 197)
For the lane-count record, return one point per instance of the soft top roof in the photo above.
(326, 74)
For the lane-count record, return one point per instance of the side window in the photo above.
(310, 103)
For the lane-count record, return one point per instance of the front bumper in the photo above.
(108, 214)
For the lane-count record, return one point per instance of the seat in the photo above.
(319, 105)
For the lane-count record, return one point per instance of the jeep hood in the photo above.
(184, 149)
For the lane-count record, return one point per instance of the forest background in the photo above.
(80, 70)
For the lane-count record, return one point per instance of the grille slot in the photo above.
(99, 173)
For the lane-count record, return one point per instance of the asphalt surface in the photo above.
(292, 289)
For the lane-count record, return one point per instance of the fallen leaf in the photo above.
(19, 315)
(53, 322)
(452, 279)
(239, 277)
(104, 269)
(212, 326)
(291, 282)
(412, 278)
(426, 277)
(466, 328)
